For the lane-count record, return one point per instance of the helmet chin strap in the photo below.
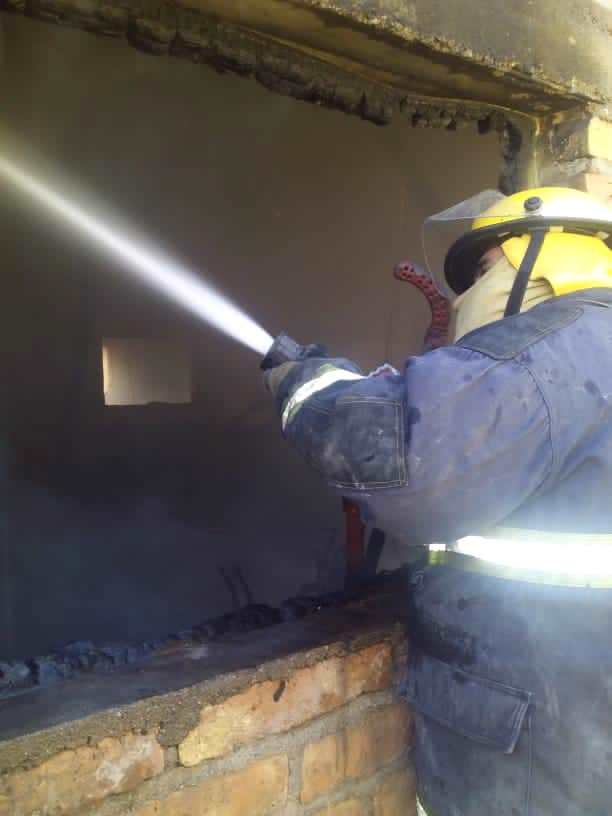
(515, 301)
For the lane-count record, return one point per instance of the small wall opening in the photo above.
(141, 371)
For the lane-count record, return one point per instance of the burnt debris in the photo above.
(84, 656)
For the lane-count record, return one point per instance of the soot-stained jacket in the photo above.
(512, 424)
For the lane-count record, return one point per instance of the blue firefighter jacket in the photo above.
(509, 679)
(512, 424)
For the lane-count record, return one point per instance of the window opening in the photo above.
(139, 371)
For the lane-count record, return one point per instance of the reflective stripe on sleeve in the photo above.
(327, 375)
(420, 809)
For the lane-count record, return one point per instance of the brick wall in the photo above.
(326, 735)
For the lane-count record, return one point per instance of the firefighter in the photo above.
(495, 452)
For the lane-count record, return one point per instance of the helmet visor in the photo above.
(455, 239)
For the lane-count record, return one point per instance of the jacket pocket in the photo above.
(473, 752)
(358, 445)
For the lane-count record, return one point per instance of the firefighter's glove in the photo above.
(274, 377)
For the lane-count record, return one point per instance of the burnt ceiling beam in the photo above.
(533, 53)
(415, 59)
(329, 51)
(280, 66)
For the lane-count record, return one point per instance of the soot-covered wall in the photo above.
(118, 518)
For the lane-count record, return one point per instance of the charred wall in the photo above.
(119, 518)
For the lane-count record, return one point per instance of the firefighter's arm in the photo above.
(348, 426)
(453, 445)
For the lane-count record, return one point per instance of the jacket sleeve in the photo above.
(450, 447)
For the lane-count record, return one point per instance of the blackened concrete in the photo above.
(119, 518)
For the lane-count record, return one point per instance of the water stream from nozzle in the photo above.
(169, 277)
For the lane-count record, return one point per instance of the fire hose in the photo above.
(437, 332)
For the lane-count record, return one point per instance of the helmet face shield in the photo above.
(455, 239)
(470, 209)
(442, 230)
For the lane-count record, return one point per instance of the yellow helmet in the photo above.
(555, 233)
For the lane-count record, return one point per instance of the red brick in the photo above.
(273, 707)
(350, 807)
(266, 708)
(72, 780)
(322, 767)
(252, 791)
(396, 794)
(368, 670)
(378, 739)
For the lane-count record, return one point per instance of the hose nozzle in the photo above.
(286, 350)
